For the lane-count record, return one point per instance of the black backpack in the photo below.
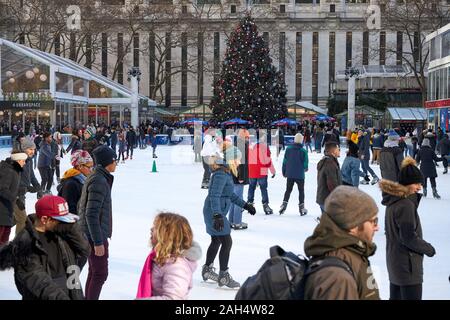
(282, 277)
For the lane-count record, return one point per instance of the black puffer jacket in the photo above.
(243, 167)
(29, 259)
(444, 145)
(426, 157)
(9, 188)
(95, 206)
(329, 177)
(28, 181)
(405, 246)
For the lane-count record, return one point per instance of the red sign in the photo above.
(437, 104)
(101, 112)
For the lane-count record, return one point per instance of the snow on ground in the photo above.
(138, 195)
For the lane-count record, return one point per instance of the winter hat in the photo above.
(90, 131)
(27, 144)
(18, 155)
(409, 173)
(426, 142)
(57, 135)
(352, 147)
(348, 207)
(298, 138)
(80, 157)
(104, 156)
(393, 135)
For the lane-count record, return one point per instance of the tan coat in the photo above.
(335, 283)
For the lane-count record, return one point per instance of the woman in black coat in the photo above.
(10, 170)
(426, 158)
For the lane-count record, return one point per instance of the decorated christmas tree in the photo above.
(249, 86)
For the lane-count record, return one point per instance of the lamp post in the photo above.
(350, 75)
(134, 75)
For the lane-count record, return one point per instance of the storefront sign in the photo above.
(22, 105)
(437, 104)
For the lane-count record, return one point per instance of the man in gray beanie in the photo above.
(345, 231)
(28, 183)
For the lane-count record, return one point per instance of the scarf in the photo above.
(145, 283)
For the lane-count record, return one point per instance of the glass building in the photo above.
(39, 88)
(438, 96)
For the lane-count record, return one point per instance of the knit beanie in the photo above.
(298, 138)
(348, 207)
(18, 155)
(80, 157)
(90, 131)
(104, 155)
(27, 144)
(409, 173)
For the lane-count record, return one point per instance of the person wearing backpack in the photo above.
(345, 231)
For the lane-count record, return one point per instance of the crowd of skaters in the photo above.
(50, 241)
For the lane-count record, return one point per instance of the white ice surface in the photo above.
(139, 194)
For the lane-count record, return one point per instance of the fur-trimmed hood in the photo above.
(194, 253)
(393, 192)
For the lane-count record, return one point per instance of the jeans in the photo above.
(262, 182)
(98, 273)
(413, 292)
(366, 167)
(290, 186)
(235, 213)
(308, 145)
(206, 170)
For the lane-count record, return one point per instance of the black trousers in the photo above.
(445, 162)
(290, 186)
(46, 178)
(224, 243)
(432, 180)
(413, 292)
(206, 170)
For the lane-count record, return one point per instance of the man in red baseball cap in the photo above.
(47, 256)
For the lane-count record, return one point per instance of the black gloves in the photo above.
(250, 208)
(273, 176)
(20, 204)
(218, 222)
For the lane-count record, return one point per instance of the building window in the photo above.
(184, 69)
(200, 42)
(332, 58)
(399, 48)
(382, 48)
(306, 1)
(298, 66)
(233, 8)
(266, 38)
(445, 44)
(208, 2)
(315, 67)
(105, 54)
(348, 50)
(282, 8)
(88, 63)
(73, 46)
(332, 8)
(120, 56)
(365, 60)
(416, 46)
(168, 69)
(216, 56)
(57, 45)
(136, 50)
(282, 53)
(151, 65)
(184, 10)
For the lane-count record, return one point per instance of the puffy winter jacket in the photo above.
(173, 280)
(259, 161)
(9, 188)
(390, 161)
(328, 177)
(295, 162)
(95, 206)
(71, 187)
(29, 259)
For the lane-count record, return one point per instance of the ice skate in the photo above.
(225, 279)
(209, 273)
(283, 207)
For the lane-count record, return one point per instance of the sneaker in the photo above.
(205, 185)
(209, 273)
(375, 180)
(267, 209)
(225, 279)
(302, 209)
(283, 207)
(364, 182)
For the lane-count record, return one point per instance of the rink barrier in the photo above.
(161, 139)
